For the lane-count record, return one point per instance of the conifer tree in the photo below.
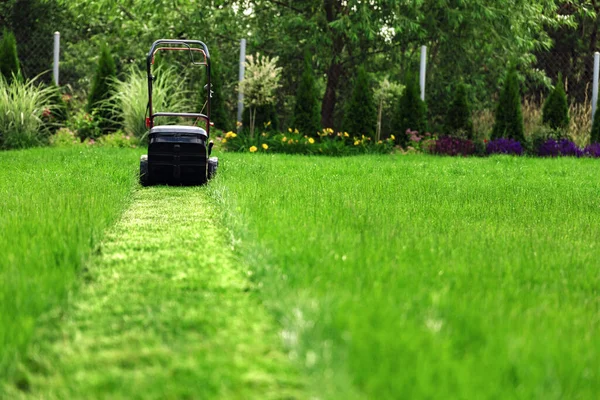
(100, 93)
(360, 117)
(555, 112)
(307, 115)
(411, 112)
(458, 118)
(509, 117)
(9, 61)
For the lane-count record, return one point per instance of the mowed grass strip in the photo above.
(422, 277)
(166, 313)
(54, 207)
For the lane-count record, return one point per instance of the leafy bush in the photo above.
(307, 110)
(360, 116)
(555, 112)
(9, 61)
(452, 146)
(595, 135)
(85, 125)
(118, 139)
(101, 91)
(411, 113)
(458, 116)
(563, 147)
(130, 97)
(64, 137)
(504, 146)
(509, 117)
(218, 111)
(57, 118)
(22, 108)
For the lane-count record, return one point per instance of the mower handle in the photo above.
(172, 46)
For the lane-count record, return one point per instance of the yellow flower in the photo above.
(230, 135)
(265, 146)
(284, 139)
(346, 134)
(379, 142)
(253, 149)
(329, 130)
(296, 131)
(357, 142)
(224, 141)
(238, 124)
(393, 137)
(290, 130)
(311, 140)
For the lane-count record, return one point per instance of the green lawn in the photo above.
(422, 277)
(54, 207)
(300, 277)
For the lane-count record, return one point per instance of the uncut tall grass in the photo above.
(421, 277)
(131, 97)
(55, 204)
(22, 104)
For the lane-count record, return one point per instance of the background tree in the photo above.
(100, 93)
(9, 61)
(555, 112)
(458, 117)
(307, 116)
(509, 117)
(360, 117)
(411, 112)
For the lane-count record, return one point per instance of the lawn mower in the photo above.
(178, 154)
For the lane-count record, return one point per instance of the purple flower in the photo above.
(564, 147)
(592, 150)
(504, 146)
(453, 146)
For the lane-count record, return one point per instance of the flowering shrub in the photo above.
(563, 147)
(118, 139)
(86, 125)
(504, 146)
(451, 146)
(64, 137)
(592, 150)
(328, 142)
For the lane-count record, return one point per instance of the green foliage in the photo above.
(509, 117)
(218, 112)
(119, 139)
(60, 110)
(595, 134)
(360, 115)
(86, 125)
(555, 112)
(307, 112)
(130, 97)
(267, 118)
(458, 117)
(22, 109)
(64, 137)
(411, 112)
(9, 61)
(101, 91)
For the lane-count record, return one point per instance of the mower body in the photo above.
(178, 154)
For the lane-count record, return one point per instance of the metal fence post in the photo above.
(423, 70)
(241, 78)
(56, 56)
(595, 86)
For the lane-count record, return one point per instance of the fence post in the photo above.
(595, 86)
(423, 69)
(56, 56)
(241, 78)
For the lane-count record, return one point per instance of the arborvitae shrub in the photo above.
(458, 117)
(307, 115)
(218, 112)
(411, 112)
(9, 61)
(360, 116)
(555, 112)
(595, 136)
(509, 117)
(101, 90)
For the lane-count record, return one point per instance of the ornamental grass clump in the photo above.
(23, 107)
(503, 146)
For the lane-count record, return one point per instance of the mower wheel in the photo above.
(144, 178)
(213, 163)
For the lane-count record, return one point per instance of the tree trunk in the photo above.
(330, 98)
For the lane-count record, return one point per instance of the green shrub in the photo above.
(64, 137)
(218, 112)
(60, 111)
(555, 112)
(509, 117)
(101, 91)
(360, 116)
(85, 125)
(266, 118)
(130, 97)
(9, 61)
(541, 135)
(411, 114)
(118, 139)
(458, 118)
(307, 111)
(595, 135)
(22, 109)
